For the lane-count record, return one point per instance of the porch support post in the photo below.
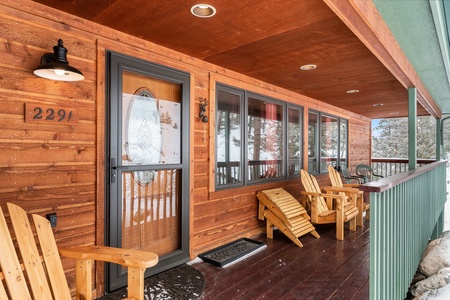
(412, 127)
(438, 139)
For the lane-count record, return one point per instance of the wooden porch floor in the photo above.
(324, 268)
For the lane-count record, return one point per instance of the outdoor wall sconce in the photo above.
(202, 114)
(56, 67)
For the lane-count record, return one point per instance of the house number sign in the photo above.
(50, 114)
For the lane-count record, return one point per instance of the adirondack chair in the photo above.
(328, 208)
(269, 173)
(367, 172)
(41, 275)
(351, 191)
(282, 210)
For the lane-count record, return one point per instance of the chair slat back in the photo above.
(29, 253)
(335, 177)
(51, 257)
(311, 185)
(10, 265)
(2, 290)
(42, 278)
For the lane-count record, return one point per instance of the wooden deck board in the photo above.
(324, 268)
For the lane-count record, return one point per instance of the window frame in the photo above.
(244, 111)
(317, 140)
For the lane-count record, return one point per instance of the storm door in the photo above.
(147, 203)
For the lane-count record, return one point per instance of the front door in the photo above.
(147, 203)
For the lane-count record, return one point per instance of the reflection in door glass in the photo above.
(151, 212)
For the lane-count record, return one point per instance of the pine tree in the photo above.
(390, 138)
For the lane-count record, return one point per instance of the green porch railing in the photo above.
(391, 166)
(406, 210)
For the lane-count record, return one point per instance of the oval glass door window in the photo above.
(143, 133)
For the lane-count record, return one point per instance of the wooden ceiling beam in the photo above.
(364, 20)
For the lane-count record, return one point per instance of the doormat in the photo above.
(180, 283)
(232, 253)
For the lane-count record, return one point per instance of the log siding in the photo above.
(48, 168)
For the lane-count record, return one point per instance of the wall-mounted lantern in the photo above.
(202, 114)
(56, 67)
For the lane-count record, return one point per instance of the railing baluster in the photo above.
(391, 166)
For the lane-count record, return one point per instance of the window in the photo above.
(312, 142)
(229, 134)
(327, 141)
(264, 139)
(295, 141)
(343, 142)
(257, 138)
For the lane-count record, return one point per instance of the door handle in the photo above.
(113, 170)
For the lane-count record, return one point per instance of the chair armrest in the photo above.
(359, 179)
(125, 257)
(135, 260)
(333, 196)
(336, 189)
(352, 185)
(332, 200)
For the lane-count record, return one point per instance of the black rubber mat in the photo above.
(181, 283)
(231, 253)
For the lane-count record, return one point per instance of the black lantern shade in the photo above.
(56, 67)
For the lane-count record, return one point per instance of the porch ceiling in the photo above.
(270, 40)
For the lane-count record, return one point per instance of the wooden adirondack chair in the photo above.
(282, 210)
(350, 190)
(41, 275)
(329, 208)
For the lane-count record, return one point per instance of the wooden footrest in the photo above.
(281, 209)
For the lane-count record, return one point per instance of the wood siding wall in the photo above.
(60, 168)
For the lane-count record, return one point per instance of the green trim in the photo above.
(438, 139)
(441, 13)
(421, 30)
(412, 127)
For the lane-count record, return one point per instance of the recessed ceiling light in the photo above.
(378, 104)
(394, 113)
(308, 67)
(203, 10)
(352, 91)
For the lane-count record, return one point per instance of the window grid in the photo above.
(258, 138)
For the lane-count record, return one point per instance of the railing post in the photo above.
(412, 127)
(438, 139)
